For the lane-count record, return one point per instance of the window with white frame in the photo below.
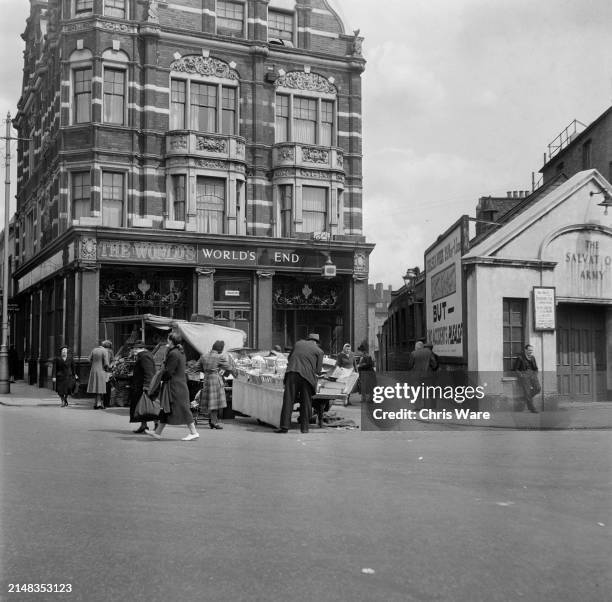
(304, 119)
(285, 198)
(230, 18)
(81, 194)
(212, 107)
(280, 25)
(178, 104)
(113, 197)
(115, 8)
(314, 209)
(178, 197)
(210, 205)
(114, 96)
(82, 95)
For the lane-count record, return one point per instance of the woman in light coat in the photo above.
(98, 374)
(213, 388)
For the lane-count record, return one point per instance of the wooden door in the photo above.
(580, 352)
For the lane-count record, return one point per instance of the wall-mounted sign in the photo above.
(544, 307)
(231, 293)
(444, 292)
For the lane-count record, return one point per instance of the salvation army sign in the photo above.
(584, 264)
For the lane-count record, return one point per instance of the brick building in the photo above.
(188, 157)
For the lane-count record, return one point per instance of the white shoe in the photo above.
(153, 434)
(191, 437)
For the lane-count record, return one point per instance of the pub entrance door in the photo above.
(581, 352)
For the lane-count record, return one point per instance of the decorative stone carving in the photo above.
(240, 148)
(339, 159)
(283, 173)
(314, 155)
(286, 153)
(112, 26)
(360, 262)
(211, 164)
(300, 80)
(204, 66)
(88, 249)
(153, 12)
(207, 272)
(313, 173)
(213, 145)
(356, 44)
(262, 274)
(178, 143)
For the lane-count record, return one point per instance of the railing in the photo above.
(565, 137)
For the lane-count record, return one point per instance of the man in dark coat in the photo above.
(423, 359)
(303, 367)
(144, 369)
(526, 369)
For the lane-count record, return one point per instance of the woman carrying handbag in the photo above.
(174, 397)
(64, 376)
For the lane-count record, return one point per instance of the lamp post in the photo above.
(5, 385)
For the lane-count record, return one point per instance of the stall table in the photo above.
(261, 401)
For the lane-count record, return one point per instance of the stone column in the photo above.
(263, 337)
(359, 309)
(205, 291)
(88, 295)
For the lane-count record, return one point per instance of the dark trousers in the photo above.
(297, 389)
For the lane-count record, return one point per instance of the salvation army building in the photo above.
(545, 278)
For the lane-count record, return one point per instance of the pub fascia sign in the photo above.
(137, 251)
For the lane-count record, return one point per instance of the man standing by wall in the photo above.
(303, 367)
(526, 370)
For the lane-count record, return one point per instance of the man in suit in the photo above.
(526, 369)
(303, 367)
(144, 369)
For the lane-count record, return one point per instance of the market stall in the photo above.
(258, 388)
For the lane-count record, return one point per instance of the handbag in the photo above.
(164, 399)
(146, 409)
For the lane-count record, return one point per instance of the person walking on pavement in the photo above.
(526, 369)
(212, 395)
(64, 376)
(98, 375)
(174, 378)
(423, 359)
(144, 369)
(303, 367)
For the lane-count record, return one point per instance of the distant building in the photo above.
(378, 302)
(580, 147)
(404, 326)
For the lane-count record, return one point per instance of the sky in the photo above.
(460, 100)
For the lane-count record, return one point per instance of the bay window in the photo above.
(210, 205)
(286, 209)
(82, 95)
(304, 119)
(81, 194)
(178, 197)
(113, 197)
(83, 7)
(114, 8)
(314, 209)
(114, 96)
(178, 104)
(212, 108)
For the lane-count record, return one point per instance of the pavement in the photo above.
(564, 415)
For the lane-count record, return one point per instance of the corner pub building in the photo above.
(188, 157)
